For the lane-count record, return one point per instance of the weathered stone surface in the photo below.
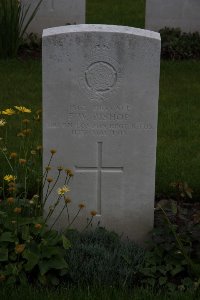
(55, 13)
(100, 98)
(183, 14)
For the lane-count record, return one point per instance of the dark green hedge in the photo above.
(177, 45)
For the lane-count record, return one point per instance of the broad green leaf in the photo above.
(3, 254)
(53, 279)
(174, 206)
(151, 281)
(52, 238)
(26, 221)
(11, 280)
(176, 270)
(3, 214)
(42, 279)
(54, 263)
(49, 251)
(162, 280)
(7, 237)
(32, 260)
(66, 243)
(25, 233)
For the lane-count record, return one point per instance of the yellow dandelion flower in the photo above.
(2, 122)
(9, 178)
(8, 111)
(63, 190)
(19, 248)
(23, 109)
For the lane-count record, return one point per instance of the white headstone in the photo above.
(100, 100)
(53, 13)
(183, 14)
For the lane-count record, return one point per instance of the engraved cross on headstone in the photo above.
(99, 170)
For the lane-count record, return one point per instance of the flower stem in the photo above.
(74, 218)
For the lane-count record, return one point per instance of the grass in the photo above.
(178, 154)
(91, 294)
(123, 12)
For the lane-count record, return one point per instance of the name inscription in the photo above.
(102, 120)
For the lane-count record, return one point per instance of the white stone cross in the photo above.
(99, 170)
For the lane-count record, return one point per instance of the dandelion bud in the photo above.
(67, 200)
(69, 172)
(53, 151)
(17, 210)
(81, 205)
(48, 168)
(60, 168)
(11, 189)
(93, 213)
(26, 131)
(21, 134)
(22, 161)
(39, 147)
(10, 200)
(49, 179)
(2, 277)
(26, 121)
(38, 226)
(12, 184)
(19, 248)
(13, 155)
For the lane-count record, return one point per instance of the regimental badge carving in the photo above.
(101, 76)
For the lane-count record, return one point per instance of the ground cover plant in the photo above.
(92, 293)
(179, 45)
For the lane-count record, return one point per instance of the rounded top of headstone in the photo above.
(100, 28)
